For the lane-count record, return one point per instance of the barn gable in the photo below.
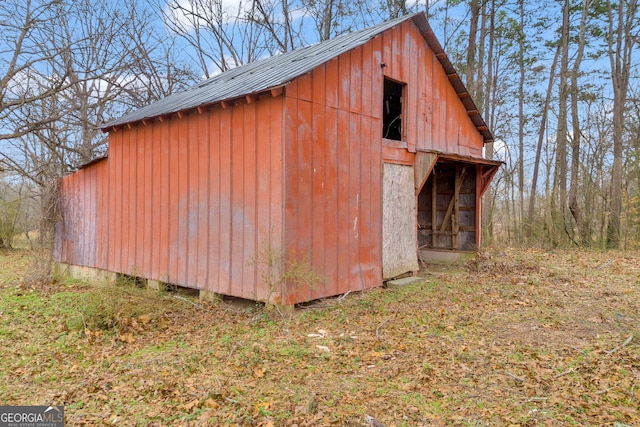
(348, 156)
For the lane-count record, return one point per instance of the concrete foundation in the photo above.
(431, 256)
(209, 296)
(81, 272)
(404, 281)
(156, 285)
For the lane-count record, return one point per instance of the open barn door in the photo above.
(449, 202)
(447, 208)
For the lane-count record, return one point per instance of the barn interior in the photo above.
(448, 211)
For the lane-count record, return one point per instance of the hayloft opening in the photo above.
(392, 110)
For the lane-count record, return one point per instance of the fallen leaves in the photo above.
(522, 337)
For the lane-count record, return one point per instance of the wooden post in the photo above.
(434, 212)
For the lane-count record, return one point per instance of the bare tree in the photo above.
(220, 37)
(574, 206)
(25, 77)
(541, 138)
(334, 17)
(559, 189)
(622, 36)
(63, 81)
(96, 63)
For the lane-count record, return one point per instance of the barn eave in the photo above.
(222, 103)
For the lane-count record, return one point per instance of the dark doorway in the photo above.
(447, 208)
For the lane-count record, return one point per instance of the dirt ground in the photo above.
(520, 337)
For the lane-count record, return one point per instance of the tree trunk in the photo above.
(574, 206)
(471, 48)
(521, 121)
(487, 210)
(620, 47)
(559, 189)
(541, 133)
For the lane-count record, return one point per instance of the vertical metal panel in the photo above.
(330, 198)
(130, 207)
(112, 161)
(156, 203)
(343, 83)
(318, 178)
(427, 105)
(147, 200)
(141, 184)
(166, 182)
(81, 234)
(453, 120)
(342, 183)
(192, 230)
(263, 234)
(304, 87)
(354, 197)
(102, 215)
(291, 231)
(369, 201)
(225, 200)
(203, 196)
(413, 110)
(355, 80)
(478, 219)
(183, 194)
(214, 163)
(397, 64)
(367, 68)
(76, 234)
(73, 209)
(91, 182)
(124, 225)
(276, 172)
(440, 110)
(249, 207)
(77, 210)
(237, 197)
(331, 83)
(303, 236)
(172, 205)
(318, 81)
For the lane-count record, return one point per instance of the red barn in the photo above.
(353, 157)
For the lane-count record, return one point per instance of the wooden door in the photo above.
(399, 248)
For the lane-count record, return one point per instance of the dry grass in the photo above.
(517, 337)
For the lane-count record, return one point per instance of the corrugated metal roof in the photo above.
(275, 71)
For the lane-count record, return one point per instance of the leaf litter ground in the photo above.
(514, 337)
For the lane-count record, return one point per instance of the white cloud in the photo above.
(500, 151)
(190, 14)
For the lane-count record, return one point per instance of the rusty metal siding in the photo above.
(333, 167)
(334, 152)
(75, 241)
(186, 201)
